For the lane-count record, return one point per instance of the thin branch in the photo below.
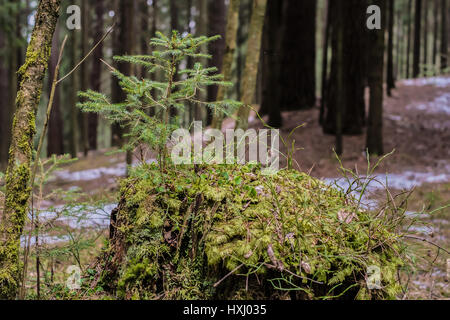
(229, 274)
(425, 240)
(88, 54)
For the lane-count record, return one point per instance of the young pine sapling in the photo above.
(179, 88)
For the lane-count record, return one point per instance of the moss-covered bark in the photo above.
(20, 154)
(228, 232)
(252, 61)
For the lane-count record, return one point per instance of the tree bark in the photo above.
(408, 44)
(325, 63)
(5, 107)
(74, 112)
(417, 37)
(18, 173)
(435, 31)
(375, 78)
(124, 45)
(444, 35)
(96, 72)
(271, 62)
(230, 48)
(251, 62)
(425, 35)
(298, 55)
(390, 81)
(354, 60)
(55, 125)
(217, 26)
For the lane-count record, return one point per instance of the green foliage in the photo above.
(178, 88)
(253, 236)
(65, 231)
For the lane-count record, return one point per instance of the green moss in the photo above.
(277, 234)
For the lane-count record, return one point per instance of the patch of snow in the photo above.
(91, 174)
(118, 170)
(402, 181)
(44, 239)
(439, 105)
(426, 230)
(80, 217)
(440, 82)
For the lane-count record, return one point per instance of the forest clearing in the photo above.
(225, 150)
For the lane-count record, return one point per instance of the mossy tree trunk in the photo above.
(252, 61)
(18, 173)
(230, 48)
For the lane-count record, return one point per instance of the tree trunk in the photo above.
(5, 107)
(74, 112)
(18, 174)
(217, 26)
(251, 62)
(354, 60)
(230, 48)
(84, 77)
(201, 29)
(408, 44)
(298, 55)
(435, 31)
(425, 36)
(375, 78)
(325, 63)
(417, 37)
(96, 72)
(390, 81)
(55, 125)
(444, 36)
(271, 62)
(340, 94)
(124, 45)
(244, 22)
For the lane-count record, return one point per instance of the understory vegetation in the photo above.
(223, 232)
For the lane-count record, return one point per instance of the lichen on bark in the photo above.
(20, 154)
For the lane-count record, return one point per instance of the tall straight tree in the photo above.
(298, 55)
(390, 83)
(251, 62)
(374, 142)
(217, 26)
(417, 37)
(55, 125)
(18, 174)
(444, 35)
(230, 48)
(271, 62)
(425, 34)
(325, 59)
(408, 44)
(435, 30)
(123, 45)
(96, 71)
(354, 63)
(5, 107)
(84, 74)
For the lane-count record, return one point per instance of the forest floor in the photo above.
(416, 125)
